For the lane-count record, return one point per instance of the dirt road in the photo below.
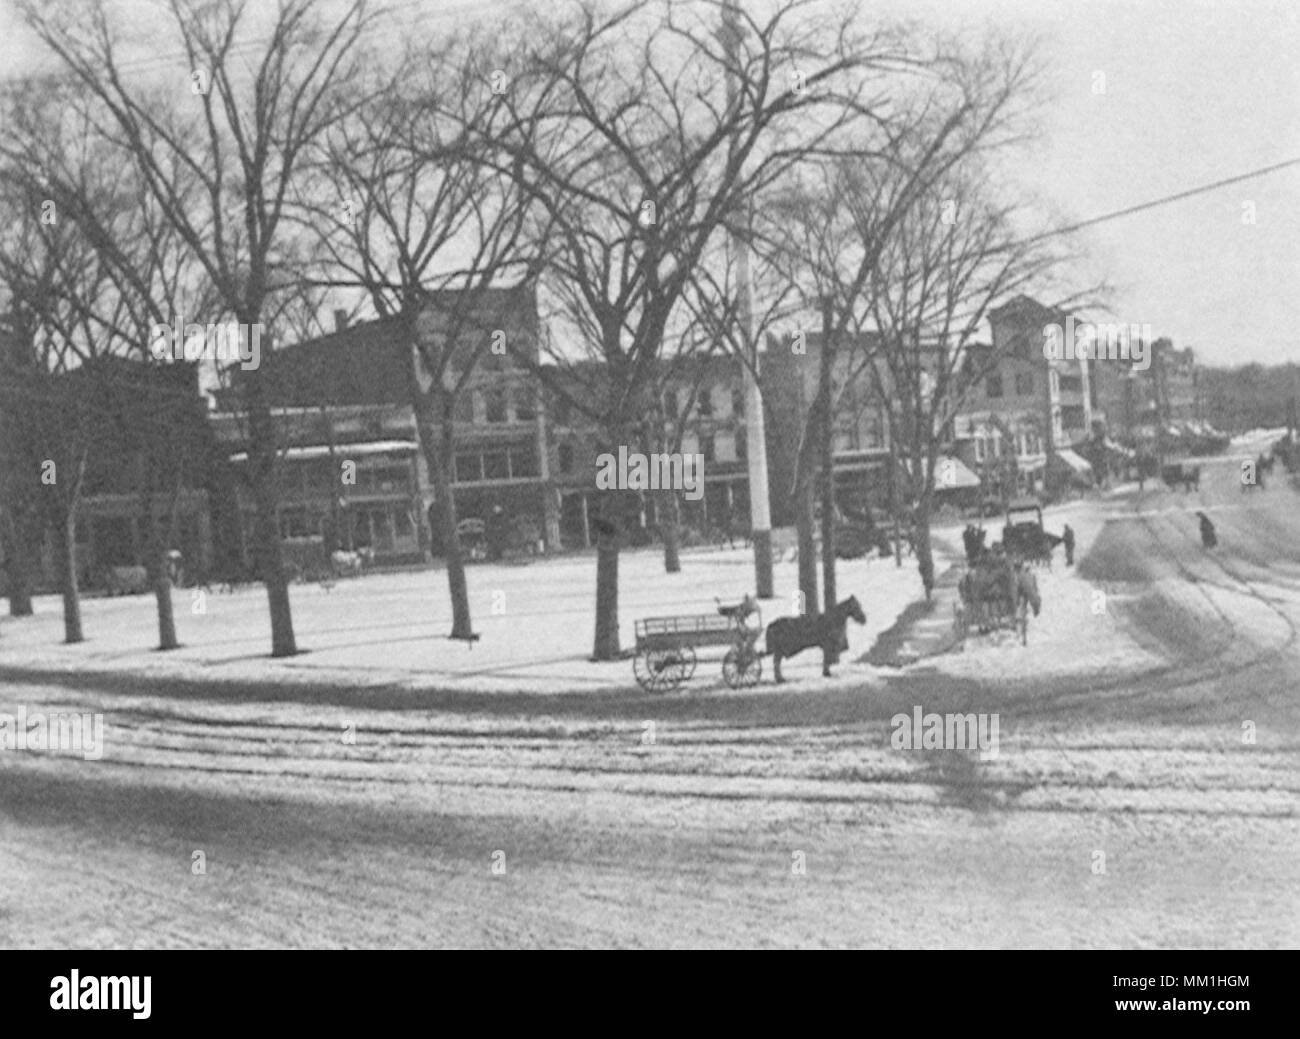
(1120, 811)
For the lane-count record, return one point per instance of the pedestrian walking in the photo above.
(1208, 538)
(1068, 538)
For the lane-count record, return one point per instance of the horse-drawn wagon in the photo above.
(1181, 474)
(1023, 536)
(996, 593)
(666, 646)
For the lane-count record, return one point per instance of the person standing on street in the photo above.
(1068, 538)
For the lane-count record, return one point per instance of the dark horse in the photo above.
(787, 636)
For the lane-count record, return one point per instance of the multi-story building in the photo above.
(346, 403)
(860, 432)
(1026, 410)
(1141, 407)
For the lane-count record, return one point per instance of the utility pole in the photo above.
(760, 514)
(825, 361)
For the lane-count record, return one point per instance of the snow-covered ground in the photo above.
(536, 622)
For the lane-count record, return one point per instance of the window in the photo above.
(742, 446)
(495, 405)
(705, 402)
(566, 458)
(993, 387)
(738, 402)
(525, 409)
(1071, 384)
(496, 466)
(1024, 384)
(523, 461)
(469, 466)
(561, 410)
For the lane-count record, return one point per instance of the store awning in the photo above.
(316, 451)
(949, 473)
(1076, 463)
(953, 474)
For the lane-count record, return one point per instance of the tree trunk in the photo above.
(440, 460)
(670, 527)
(606, 645)
(268, 550)
(162, 593)
(67, 537)
(924, 551)
(20, 549)
(805, 525)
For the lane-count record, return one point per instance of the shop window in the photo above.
(523, 461)
(468, 467)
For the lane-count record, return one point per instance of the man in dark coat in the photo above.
(1208, 538)
(1068, 538)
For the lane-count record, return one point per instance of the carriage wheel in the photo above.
(660, 669)
(742, 667)
(688, 654)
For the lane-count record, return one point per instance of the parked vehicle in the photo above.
(473, 538)
(1023, 536)
(666, 646)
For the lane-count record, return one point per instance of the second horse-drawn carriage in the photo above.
(1023, 536)
(997, 593)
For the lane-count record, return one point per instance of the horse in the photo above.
(787, 636)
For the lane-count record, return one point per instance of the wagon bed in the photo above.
(665, 648)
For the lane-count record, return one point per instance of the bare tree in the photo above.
(241, 127)
(638, 156)
(953, 256)
(61, 291)
(829, 224)
(413, 217)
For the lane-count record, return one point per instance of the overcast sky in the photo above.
(1195, 91)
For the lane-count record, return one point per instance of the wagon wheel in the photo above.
(742, 667)
(660, 669)
(686, 654)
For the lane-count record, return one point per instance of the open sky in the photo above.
(1195, 91)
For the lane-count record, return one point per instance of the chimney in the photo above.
(340, 320)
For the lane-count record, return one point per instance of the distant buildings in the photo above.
(348, 407)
